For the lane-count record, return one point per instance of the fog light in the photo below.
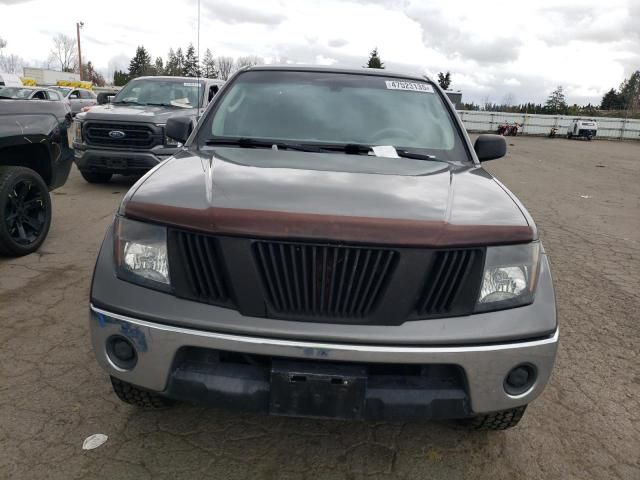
(121, 352)
(520, 379)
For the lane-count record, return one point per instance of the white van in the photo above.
(10, 80)
(581, 127)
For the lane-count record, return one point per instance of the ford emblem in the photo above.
(117, 134)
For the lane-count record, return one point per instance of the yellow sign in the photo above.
(67, 83)
(28, 82)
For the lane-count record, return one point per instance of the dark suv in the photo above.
(327, 244)
(127, 135)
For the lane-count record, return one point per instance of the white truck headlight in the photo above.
(510, 276)
(141, 253)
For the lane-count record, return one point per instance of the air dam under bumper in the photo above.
(485, 366)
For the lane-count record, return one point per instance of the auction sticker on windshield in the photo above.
(412, 86)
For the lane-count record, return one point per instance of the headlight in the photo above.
(510, 276)
(141, 253)
(78, 131)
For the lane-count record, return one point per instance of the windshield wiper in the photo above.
(254, 143)
(127, 102)
(185, 105)
(418, 156)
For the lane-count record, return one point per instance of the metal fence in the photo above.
(536, 124)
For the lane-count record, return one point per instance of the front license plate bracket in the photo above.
(317, 390)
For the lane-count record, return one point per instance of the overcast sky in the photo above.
(521, 49)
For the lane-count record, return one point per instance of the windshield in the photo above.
(157, 91)
(336, 108)
(15, 92)
(65, 91)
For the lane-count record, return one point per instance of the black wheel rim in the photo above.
(25, 212)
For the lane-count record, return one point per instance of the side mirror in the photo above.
(104, 98)
(490, 147)
(73, 96)
(179, 128)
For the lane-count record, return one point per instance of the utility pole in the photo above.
(79, 25)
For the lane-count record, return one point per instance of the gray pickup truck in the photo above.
(327, 244)
(127, 135)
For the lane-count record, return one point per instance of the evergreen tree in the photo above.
(630, 92)
(120, 78)
(374, 60)
(191, 64)
(556, 103)
(159, 66)
(611, 101)
(140, 64)
(444, 80)
(209, 65)
(179, 63)
(171, 67)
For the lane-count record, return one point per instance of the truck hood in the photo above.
(135, 113)
(336, 197)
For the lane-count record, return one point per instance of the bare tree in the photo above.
(11, 63)
(248, 61)
(3, 43)
(225, 66)
(64, 52)
(508, 99)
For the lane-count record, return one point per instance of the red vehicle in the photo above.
(509, 130)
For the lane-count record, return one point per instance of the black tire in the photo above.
(589, 137)
(25, 211)
(497, 420)
(96, 177)
(569, 135)
(136, 396)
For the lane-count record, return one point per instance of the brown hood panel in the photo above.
(388, 231)
(348, 198)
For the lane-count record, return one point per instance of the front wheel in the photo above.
(497, 420)
(25, 211)
(96, 177)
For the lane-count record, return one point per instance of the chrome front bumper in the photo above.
(485, 366)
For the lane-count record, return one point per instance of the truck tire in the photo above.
(25, 211)
(136, 396)
(569, 135)
(497, 420)
(95, 177)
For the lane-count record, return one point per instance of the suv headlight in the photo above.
(510, 276)
(141, 253)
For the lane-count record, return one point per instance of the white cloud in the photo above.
(588, 46)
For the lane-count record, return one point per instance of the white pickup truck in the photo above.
(581, 127)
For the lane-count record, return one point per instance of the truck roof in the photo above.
(329, 69)
(185, 79)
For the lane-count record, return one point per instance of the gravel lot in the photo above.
(585, 197)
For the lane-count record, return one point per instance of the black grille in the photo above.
(323, 280)
(134, 135)
(197, 266)
(444, 281)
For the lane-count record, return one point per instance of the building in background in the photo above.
(42, 76)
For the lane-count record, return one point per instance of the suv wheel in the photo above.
(136, 396)
(497, 420)
(25, 211)
(95, 177)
